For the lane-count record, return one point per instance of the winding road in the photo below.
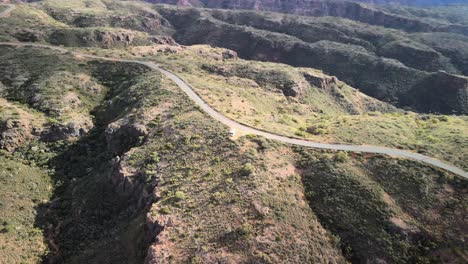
(306, 143)
(250, 130)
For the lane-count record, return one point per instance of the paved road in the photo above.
(250, 130)
(306, 143)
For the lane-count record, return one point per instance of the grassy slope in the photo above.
(259, 188)
(340, 115)
(126, 17)
(26, 17)
(311, 42)
(440, 136)
(23, 188)
(53, 23)
(52, 167)
(394, 210)
(181, 123)
(51, 83)
(379, 57)
(220, 200)
(183, 147)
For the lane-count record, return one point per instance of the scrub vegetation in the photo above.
(110, 162)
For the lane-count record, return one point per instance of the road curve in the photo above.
(250, 130)
(306, 143)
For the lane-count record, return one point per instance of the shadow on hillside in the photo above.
(86, 219)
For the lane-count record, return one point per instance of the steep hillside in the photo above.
(54, 122)
(303, 102)
(97, 25)
(105, 160)
(101, 183)
(413, 2)
(387, 16)
(281, 3)
(395, 211)
(389, 65)
(365, 63)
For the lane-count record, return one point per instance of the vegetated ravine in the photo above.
(109, 131)
(250, 130)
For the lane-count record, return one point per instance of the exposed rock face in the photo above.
(355, 103)
(284, 5)
(13, 133)
(121, 136)
(27, 35)
(67, 131)
(383, 78)
(229, 54)
(412, 2)
(98, 38)
(108, 38)
(162, 40)
(129, 182)
(259, 3)
(322, 81)
(345, 9)
(158, 227)
(147, 22)
(17, 126)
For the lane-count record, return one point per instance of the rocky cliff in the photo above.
(424, 3)
(382, 68)
(346, 9)
(279, 3)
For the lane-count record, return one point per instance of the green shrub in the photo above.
(443, 118)
(7, 228)
(247, 169)
(341, 156)
(165, 210)
(432, 139)
(179, 195)
(319, 129)
(245, 230)
(196, 260)
(299, 133)
(229, 180)
(155, 157)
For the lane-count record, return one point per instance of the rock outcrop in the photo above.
(130, 183)
(320, 80)
(162, 40)
(17, 125)
(386, 79)
(66, 131)
(258, 3)
(157, 226)
(97, 37)
(412, 2)
(15, 132)
(121, 136)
